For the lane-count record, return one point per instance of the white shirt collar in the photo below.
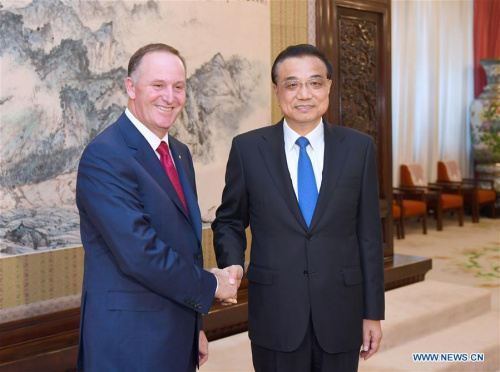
(152, 139)
(315, 137)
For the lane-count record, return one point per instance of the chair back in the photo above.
(448, 171)
(412, 175)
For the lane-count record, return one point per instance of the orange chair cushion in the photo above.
(451, 201)
(414, 207)
(396, 211)
(484, 196)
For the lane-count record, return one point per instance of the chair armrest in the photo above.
(433, 194)
(410, 189)
(397, 195)
(453, 187)
(480, 180)
(415, 191)
(435, 187)
(404, 188)
(447, 184)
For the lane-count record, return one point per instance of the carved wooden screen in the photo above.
(355, 36)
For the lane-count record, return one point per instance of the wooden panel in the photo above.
(401, 270)
(38, 327)
(50, 342)
(63, 360)
(223, 321)
(355, 36)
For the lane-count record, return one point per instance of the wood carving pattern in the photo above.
(358, 75)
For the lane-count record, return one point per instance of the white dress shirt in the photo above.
(152, 139)
(315, 150)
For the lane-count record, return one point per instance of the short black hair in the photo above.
(300, 50)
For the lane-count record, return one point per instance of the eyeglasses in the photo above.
(315, 83)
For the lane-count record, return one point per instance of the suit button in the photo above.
(198, 256)
(309, 237)
(306, 273)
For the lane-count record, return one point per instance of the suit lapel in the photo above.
(334, 160)
(272, 150)
(188, 186)
(146, 156)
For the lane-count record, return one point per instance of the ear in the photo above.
(129, 84)
(329, 86)
(275, 90)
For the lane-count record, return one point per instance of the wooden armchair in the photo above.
(412, 178)
(474, 196)
(410, 208)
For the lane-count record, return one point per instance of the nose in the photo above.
(167, 94)
(304, 92)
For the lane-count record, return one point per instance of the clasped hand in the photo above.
(229, 281)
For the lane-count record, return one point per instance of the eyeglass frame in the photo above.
(306, 83)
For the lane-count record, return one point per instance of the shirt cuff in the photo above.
(217, 286)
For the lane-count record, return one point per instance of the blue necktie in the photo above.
(306, 182)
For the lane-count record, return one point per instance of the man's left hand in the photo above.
(372, 334)
(202, 348)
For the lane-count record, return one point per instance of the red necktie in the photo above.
(169, 166)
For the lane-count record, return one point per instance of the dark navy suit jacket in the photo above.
(333, 270)
(144, 286)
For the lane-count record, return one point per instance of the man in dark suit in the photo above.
(308, 190)
(144, 287)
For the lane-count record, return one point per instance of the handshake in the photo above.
(229, 280)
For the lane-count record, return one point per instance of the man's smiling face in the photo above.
(158, 94)
(304, 107)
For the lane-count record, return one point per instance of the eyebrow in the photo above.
(310, 77)
(164, 82)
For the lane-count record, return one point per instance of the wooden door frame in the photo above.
(328, 15)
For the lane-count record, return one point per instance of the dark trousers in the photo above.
(308, 357)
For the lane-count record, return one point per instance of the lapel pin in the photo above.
(180, 157)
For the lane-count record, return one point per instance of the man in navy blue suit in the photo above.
(144, 287)
(308, 191)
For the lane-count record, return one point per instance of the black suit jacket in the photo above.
(332, 271)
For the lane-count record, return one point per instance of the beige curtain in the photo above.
(432, 83)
